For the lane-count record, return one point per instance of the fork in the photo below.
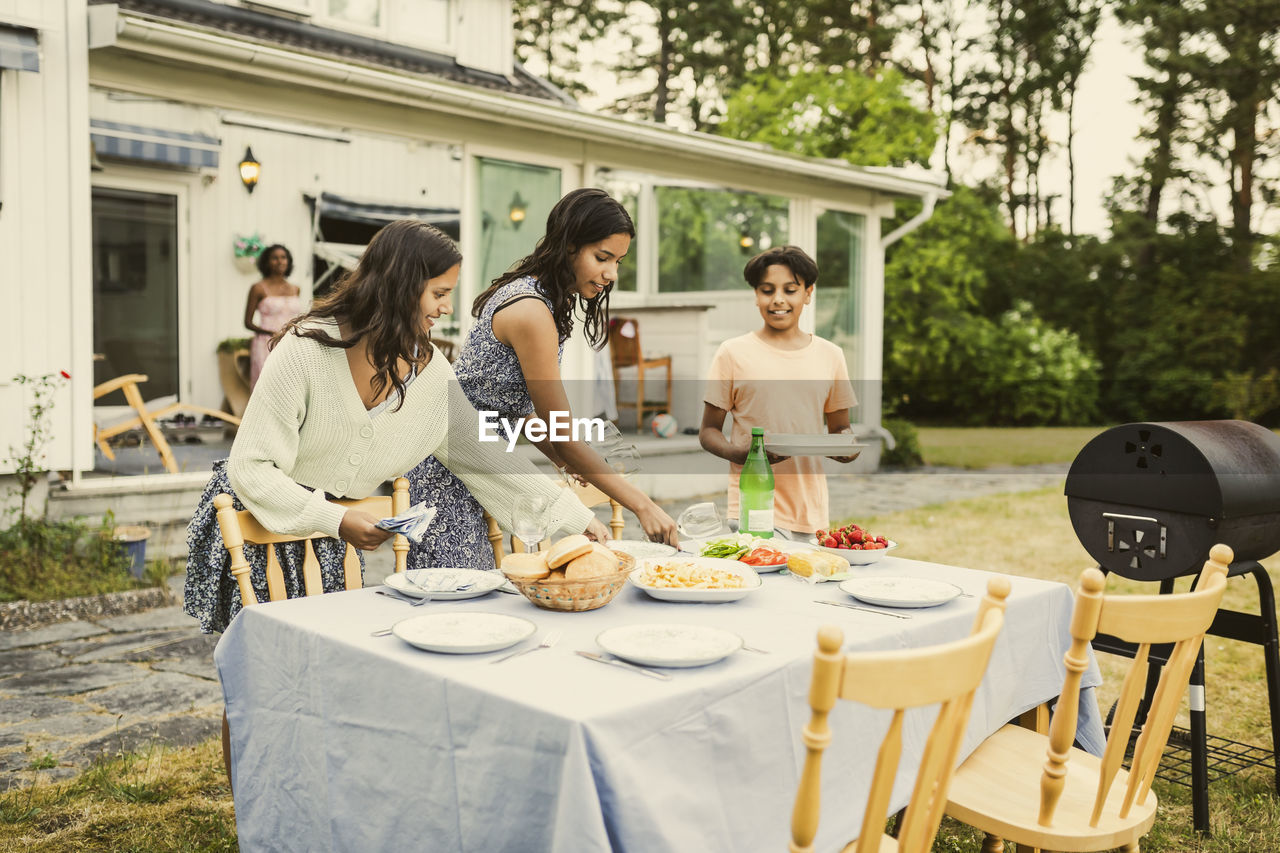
(549, 639)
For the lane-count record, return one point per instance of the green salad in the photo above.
(730, 547)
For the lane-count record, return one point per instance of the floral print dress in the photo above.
(490, 375)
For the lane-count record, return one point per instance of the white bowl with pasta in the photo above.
(694, 579)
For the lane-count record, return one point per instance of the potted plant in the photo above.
(247, 250)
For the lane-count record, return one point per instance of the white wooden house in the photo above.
(123, 126)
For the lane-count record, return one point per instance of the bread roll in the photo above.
(566, 549)
(556, 575)
(598, 562)
(526, 566)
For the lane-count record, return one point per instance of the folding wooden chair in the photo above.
(1098, 805)
(946, 674)
(128, 385)
(624, 345)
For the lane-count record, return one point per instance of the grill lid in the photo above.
(1218, 469)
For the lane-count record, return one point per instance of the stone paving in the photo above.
(75, 691)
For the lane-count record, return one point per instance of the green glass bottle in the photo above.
(755, 490)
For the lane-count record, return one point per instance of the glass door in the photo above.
(515, 199)
(135, 288)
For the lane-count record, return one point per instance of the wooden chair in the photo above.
(588, 494)
(128, 385)
(448, 347)
(947, 674)
(624, 344)
(1098, 806)
(240, 528)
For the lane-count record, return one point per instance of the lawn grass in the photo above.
(978, 447)
(162, 800)
(179, 800)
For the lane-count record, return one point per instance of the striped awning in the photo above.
(19, 48)
(153, 145)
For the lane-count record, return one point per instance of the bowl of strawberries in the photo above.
(852, 542)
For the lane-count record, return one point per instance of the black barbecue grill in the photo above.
(1148, 501)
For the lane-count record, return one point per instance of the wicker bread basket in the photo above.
(572, 596)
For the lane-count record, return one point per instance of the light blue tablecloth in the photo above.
(343, 741)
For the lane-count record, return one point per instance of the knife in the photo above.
(662, 676)
(863, 609)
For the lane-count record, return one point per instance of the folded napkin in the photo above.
(413, 522)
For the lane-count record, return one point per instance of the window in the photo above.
(627, 191)
(705, 235)
(515, 199)
(838, 316)
(365, 13)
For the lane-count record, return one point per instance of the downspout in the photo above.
(930, 201)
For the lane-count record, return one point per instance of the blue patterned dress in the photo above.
(490, 376)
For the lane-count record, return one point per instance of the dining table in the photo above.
(346, 741)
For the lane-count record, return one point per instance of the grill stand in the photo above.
(1230, 756)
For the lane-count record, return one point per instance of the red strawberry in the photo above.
(830, 542)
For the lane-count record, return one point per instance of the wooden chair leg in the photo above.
(400, 503)
(1132, 847)
(134, 396)
(668, 385)
(101, 441)
(616, 521)
(991, 844)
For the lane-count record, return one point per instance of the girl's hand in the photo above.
(360, 529)
(658, 526)
(597, 531)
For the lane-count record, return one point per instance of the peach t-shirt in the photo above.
(783, 391)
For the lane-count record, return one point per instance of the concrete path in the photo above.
(75, 691)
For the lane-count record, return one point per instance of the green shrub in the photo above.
(233, 344)
(44, 560)
(906, 452)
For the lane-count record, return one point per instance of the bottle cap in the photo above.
(757, 430)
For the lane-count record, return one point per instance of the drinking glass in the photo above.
(529, 519)
(700, 520)
(625, 459)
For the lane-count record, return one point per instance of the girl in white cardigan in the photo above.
(354, 394)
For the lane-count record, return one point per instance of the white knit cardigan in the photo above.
(306, 432)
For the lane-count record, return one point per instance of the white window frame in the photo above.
(135, 178)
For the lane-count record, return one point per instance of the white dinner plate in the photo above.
(463, 633)
(751, 580)
(669, 645)
(442, 584)
(640, 549)
(901, 592)
(821, 444)
(856, 558)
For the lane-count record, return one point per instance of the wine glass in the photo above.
(529, 519)
(625, 459)
(699, 520)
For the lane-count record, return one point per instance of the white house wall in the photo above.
(45, 282)
(367, 166)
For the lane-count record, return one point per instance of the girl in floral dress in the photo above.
(510, 363)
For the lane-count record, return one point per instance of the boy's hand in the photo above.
(774, 458)
(846, 459)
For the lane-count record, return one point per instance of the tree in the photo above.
(865, 120)
(549, 34)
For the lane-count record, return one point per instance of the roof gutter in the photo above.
(156, 38)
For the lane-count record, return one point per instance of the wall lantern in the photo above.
(250, 170)
(746, 241)
(519, 207)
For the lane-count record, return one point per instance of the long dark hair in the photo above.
(579, 219)
(380, 301)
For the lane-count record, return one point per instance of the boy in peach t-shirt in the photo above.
(781, 379)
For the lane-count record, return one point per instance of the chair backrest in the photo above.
(624, 341)
(240, 528)
(946, 674)
(588, 494)
(1177, 621)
